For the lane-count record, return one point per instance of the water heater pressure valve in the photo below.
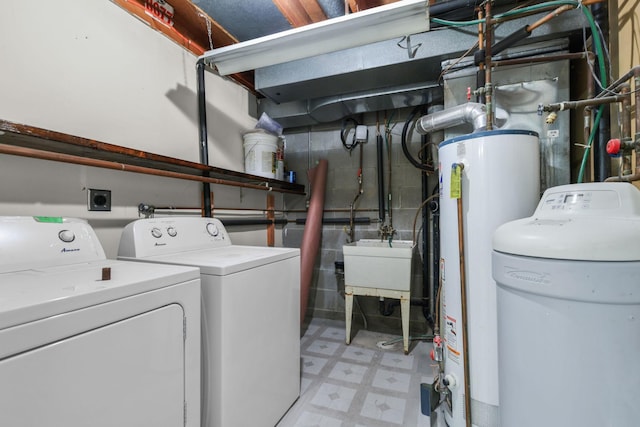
(436, 352)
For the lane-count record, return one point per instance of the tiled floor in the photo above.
(363, 384)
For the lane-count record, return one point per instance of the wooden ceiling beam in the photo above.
(189, 30)
(358, 5)
(300, 12)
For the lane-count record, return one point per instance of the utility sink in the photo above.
(371, 263)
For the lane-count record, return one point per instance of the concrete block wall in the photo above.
(304, 147)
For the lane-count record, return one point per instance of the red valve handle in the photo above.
(613, 147)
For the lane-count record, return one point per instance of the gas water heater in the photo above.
(499, 182)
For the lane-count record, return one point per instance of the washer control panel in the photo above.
(157, 236)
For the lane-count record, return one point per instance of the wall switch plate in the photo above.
(99, 200)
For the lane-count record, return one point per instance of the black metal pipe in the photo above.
(346, 221)
(510, 40)
(434, 207)
(425, 238)
(230, 222)
(202, 130)
(602, 161)
(381, 194)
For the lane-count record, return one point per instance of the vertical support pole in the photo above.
(271, 228)
(202, 129)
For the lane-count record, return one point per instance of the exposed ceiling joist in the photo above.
(188, 26)
(358, 5)
(301, 12)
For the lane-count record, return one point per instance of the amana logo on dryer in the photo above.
(70, 250)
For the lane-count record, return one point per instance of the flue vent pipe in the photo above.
(471, 112)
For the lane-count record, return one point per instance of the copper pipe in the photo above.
(463, 304)
(271, 228)
(105, 164)
(636, 86)
(635, 72)
(488, 92)
(625, 91)
(549, 17)
(626, 126)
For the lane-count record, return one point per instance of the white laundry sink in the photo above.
(372, 263)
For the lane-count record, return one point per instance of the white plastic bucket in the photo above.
(260, 153)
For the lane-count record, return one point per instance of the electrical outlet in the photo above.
(99, 200)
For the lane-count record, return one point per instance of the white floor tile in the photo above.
(390, 380)
(348, 372)
(334, 333)
(334, 397)
(309, 419)
(323, 347)
(313, 365)
(384, 408)
(398, 360)
(358, 354)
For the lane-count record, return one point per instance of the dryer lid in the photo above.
(38, 293)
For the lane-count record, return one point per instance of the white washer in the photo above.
(77, 350)
(250, 315)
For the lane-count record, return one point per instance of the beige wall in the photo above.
(628, 26)
(88, 68)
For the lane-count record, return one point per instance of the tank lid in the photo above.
(487, 133)
(590, 222)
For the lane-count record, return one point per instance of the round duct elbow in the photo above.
(471, 112)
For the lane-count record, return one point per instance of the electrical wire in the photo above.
(345, 131)
(405, 130)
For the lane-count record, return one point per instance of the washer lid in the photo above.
(226, 260)
(591, 222)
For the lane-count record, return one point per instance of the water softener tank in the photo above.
(500, 183)
(568, 302)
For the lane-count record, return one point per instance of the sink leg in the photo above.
(405, 307)
(348, 309)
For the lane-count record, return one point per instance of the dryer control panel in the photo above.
(160, 236)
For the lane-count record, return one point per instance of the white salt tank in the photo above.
(500, 183)
(568, 303)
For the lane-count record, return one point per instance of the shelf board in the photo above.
(21, 135)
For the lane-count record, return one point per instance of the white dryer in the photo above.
(86, 341)
(250, 315)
